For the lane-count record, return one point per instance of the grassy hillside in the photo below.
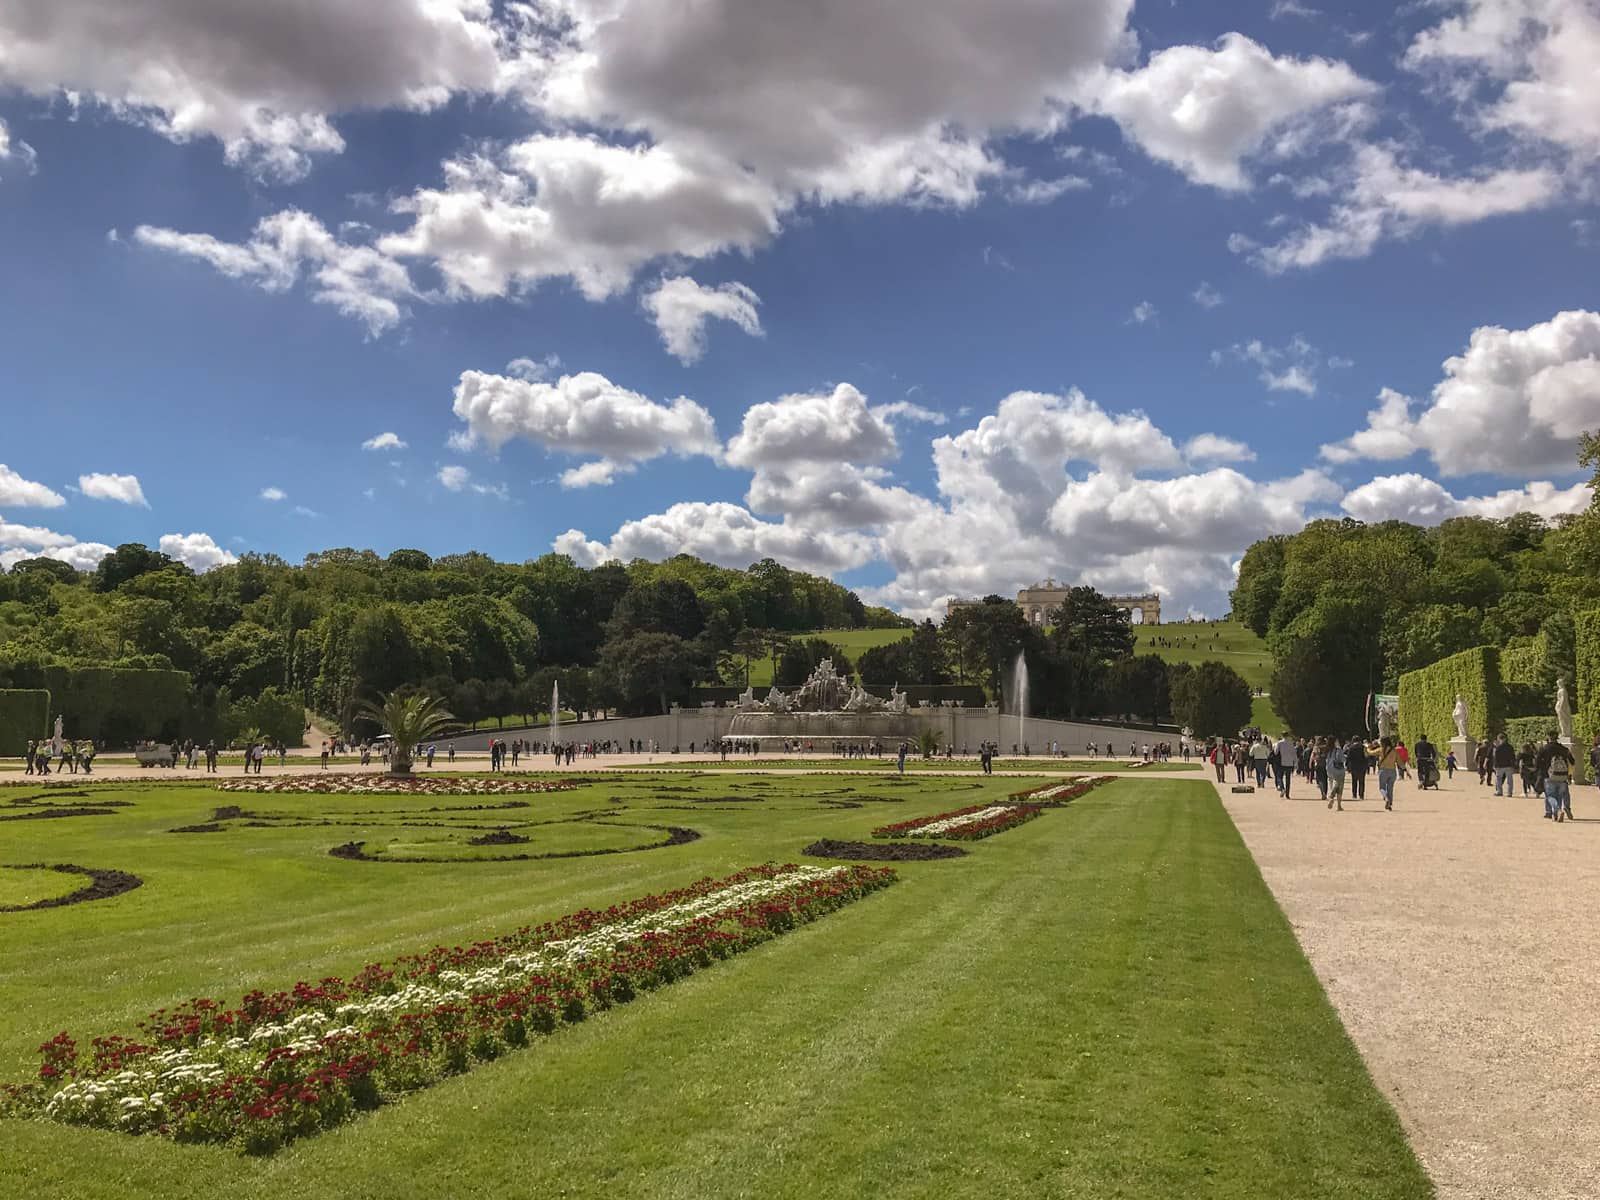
(851, 641)
(1205, 641)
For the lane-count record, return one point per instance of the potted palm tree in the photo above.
(409, 718)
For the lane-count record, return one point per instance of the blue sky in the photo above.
(937, 297)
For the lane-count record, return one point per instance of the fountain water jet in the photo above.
(1019, 697)
(555, 713)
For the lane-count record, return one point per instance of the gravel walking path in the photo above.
(1456, 937)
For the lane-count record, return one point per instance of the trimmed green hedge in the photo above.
(24, 717)
(1586, 710)
(1428, 696)
(1528, 700)
(114, 705)
(1529, 729)
(1523, 664)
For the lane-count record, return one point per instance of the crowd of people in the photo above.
(70, 757)
(1334, 764)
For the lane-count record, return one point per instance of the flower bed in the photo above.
(1053, 795)
(408, 785)
(964, 824)
(289, 1064)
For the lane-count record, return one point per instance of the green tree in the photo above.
(1212, 699)
(1137, 686)
(800, 658)
(984, 639)
(409, 718)
(929, 663)
(646, 671)
(891, 663)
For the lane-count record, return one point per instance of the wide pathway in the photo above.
(1457, 938)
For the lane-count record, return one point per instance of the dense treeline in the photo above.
(346, 624)
(1347, 608)
(262, 638)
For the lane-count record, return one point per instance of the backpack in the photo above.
(1559, 767)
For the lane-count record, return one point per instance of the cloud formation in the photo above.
(197, 550)
(124, 489)
(384, 441)
(17, 492)
(680, 308)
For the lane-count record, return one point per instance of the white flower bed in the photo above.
(135, 1098)
(949, 824)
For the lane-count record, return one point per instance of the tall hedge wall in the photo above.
(24, 716)
(1529, 729)
(1428, 696)
(1523, 664)
(115, 705)
(1586, 713)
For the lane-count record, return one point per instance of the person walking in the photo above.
(1388, 769)
(1402, 757)
(1427, 759)
(1357, 763)
(1219, 760)
(900, 761)
(1555, 764)
(1319, 766)
(1336, 773)
(1288, 752)
(1528, 768)
(1450, 764)
(1260, 758)
(1504, 759)
(1484, 761)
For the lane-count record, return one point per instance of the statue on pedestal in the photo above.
(1563, 710)
(746, 701)
(897, 700)
(1461, 716)
(1388, 718)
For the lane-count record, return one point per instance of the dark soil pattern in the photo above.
(676, 836)
(207, 828)
(879, 852)
(500, 837)
(46, 813)
(103, 885)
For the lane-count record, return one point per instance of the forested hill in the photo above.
(1347, 607)
(348, 622)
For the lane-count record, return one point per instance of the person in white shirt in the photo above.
(1288, 761)
(1260, 752)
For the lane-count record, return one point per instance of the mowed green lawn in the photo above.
(1207, 641)
(851, 641)
(1105, 1002)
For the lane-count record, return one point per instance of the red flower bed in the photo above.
(964, 824)
(1056, 794)
(286, 1064)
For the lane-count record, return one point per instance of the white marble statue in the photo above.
(747, 701)
(1563, 710)
(778, 701)
(1461, 715)
(1387, 720)
(897, 700)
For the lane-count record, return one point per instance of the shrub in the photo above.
(1428, 696)
(1529, 729)
(1586, 715)
(1522, 664)
(24, 716)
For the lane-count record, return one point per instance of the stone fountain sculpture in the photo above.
(828, 707)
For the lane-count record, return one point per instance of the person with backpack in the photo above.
(1555, 764)
(1336, 774)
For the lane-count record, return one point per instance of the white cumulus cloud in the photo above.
(1423, 501)
(579, 414)
(680, 308)
(25, 493)
(198, 550)
(384, 441)
(124, 489)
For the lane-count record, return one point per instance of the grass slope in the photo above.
(1105, 1002)
(851, 641)
(1206, 641)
